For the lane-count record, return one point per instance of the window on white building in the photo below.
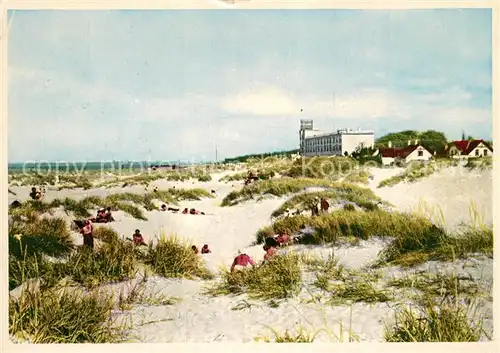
(477, 153)
(485, 152)
(420, 153)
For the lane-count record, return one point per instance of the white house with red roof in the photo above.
(468, 149)
(415, 152)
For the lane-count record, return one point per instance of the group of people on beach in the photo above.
(87, 229)
(193, 211)
(319, 204)
(270, 247)
(36, 194)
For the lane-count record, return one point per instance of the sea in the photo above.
(45, 166)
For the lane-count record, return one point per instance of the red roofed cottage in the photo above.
(406, 154)
(468, 148)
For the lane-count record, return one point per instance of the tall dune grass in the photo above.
(174, 258)
(280, 278)
(61, 316)
(449, 322)
(278, 187)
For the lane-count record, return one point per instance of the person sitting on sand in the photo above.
(270, 252)
(100, 218)
(205, 249)
(185, 211)
(86, 231)
(282, 239)
(163, 207)
(324, 205)
(155, 189)
(242, 260)
(35, 194)
(195, 249)
(108, 217)
(138, 239)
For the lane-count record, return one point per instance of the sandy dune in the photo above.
(200, 318)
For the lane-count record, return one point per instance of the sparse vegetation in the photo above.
(174, 258)
(412, 173)
(63, 316)
(278, 187)
(358, 176)
(280, 278)
(341, 192)
(429, 323)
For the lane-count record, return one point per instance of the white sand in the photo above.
(200, 318)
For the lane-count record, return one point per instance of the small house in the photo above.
(406, 154)
(468, 149)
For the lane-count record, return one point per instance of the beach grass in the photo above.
(360, 176)
(111, 262)
(432, 285)
(49, 236)
(63, 316)
(412, 173)
(341, 192)
(450, 322)
(276, 187)
(299, 335)
(173, 257)
(128, 202)
(280, 278)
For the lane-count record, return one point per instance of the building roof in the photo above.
(467, 146)
(398, 152)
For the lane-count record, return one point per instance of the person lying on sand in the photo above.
(138, 239)
(242, 260)
(174, 210)
(35, 194)
(86, 231)
(12, 192)
(194, 211)
(185, 211)
(195, 249)
(205, 249)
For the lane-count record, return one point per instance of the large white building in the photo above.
(316, 143)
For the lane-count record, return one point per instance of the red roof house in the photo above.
(469, 148)
(407, 153)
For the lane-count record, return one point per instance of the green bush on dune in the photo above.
(173, 258)
(60, 316)
(363, 197)
(280, 278)
(278, 187)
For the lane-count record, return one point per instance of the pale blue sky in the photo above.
(92, 85)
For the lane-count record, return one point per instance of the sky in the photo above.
(172, 85)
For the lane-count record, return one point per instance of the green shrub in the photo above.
(280, 278)
(448, 323)
(111, 262)
(173, 258)
(48, 236)
(52, 316)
